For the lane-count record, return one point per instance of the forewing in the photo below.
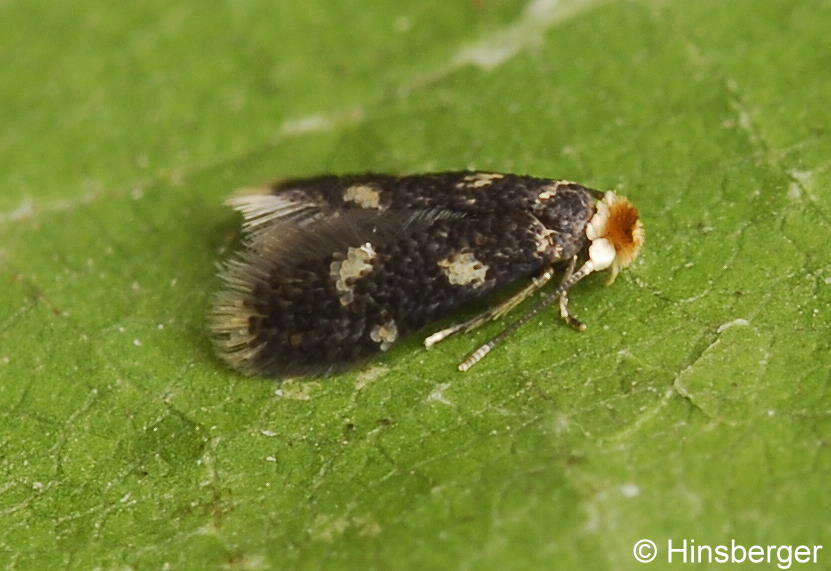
(318, 297)
(309, 201)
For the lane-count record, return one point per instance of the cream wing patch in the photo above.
(549, 191)
(385, 334)
(364, 195)
(479, 180)
(545, 245)
(357, 264)
(464, 269)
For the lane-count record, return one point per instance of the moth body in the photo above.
(336, 269)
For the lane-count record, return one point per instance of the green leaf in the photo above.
(695, 406)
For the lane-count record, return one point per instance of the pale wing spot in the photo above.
(479, 180)
(544, 242)
(357, 264)
(549, 191)
(464, 269)
(364, 195)
(385, 334)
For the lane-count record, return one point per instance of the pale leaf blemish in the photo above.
(369, 376)
(794, 191)
(25, 210)
(735, 323)
(437, 395)
(28, 208)
(367, 527)
(803, 176)
(527, 31)
(497, 47)
(313, 123)
(561, 424)
(800, 184)
(298, 390)
(327, 528)
(320, 122)
(291, 127)
(247, 561)
(630, 490)
(403, 24)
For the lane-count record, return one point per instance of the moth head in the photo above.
(616, 234)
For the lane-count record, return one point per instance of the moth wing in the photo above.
(309, 201)
(278, 250)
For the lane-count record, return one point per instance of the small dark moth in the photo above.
(337, 268)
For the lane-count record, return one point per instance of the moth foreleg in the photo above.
(493, 313)
(587, 268)
(564, 311)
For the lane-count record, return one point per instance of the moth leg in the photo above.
(587, 268)
(564, 311)
(493, 313)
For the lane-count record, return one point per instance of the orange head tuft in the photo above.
(618, 224)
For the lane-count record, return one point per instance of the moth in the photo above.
(335, 269)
